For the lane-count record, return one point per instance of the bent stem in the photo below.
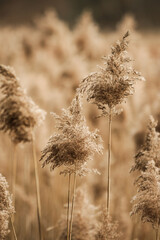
(68, 208)
(73, 201)
(37, 191)
(14, 175)
(13, 228)
(109, 159)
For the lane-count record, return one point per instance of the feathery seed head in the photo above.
(146, 203)
(74, 144)
(18, 113)
(108, 230)
(151, 148)
(114, 82)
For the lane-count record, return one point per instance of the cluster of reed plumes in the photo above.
(52, 62)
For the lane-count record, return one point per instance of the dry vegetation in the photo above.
(51, 60)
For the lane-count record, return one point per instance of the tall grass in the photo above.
(52, 60)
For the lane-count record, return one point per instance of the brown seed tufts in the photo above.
(114, 81)
(150, 149)
(18, 113)
(73, 143)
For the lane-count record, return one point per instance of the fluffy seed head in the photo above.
(74, 144)
(108, 230)
(114, 82)
(146, 203)
(18, 113)
(151, 148)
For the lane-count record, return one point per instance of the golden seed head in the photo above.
(146, 202)
(150, 149)
(108, 229)
(114, 81)
(18, 113)
(74, 144)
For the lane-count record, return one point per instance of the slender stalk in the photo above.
(68, 208)
(157, 231)
(14, 232)
(134, 227)
(37, 191)
(157, 234)
(109, 159)
(14, 174)
(72, 207)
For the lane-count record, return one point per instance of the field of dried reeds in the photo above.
(66, 179)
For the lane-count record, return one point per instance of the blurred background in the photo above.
(105, 12)
(52, 46)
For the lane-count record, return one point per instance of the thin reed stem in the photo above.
(13, 228)
(72, 207)
(14, 174)
(109, 158)
(68, 208)
(37, 191)
(134, 227)
(157, 232)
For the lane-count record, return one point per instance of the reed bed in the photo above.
(57, 188)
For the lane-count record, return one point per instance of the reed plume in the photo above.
(71, 147)
(110, 86)
(18, 113)
(18, 116)
(74, 143)
(146, 202)
(150, 149)
(108, 229)
(114, 81)
(6, 208)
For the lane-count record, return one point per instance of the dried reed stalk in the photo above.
(37, 191)
(13, 228)
(68, 208)
(109, 158)
(14, 174)
(85, 218)
(110, 86)
(72, 207)
(72, 146)
(157, 233)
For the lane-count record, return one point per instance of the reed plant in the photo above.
(18, 116)
(71, 147)
(146, 202)
(109, 87)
